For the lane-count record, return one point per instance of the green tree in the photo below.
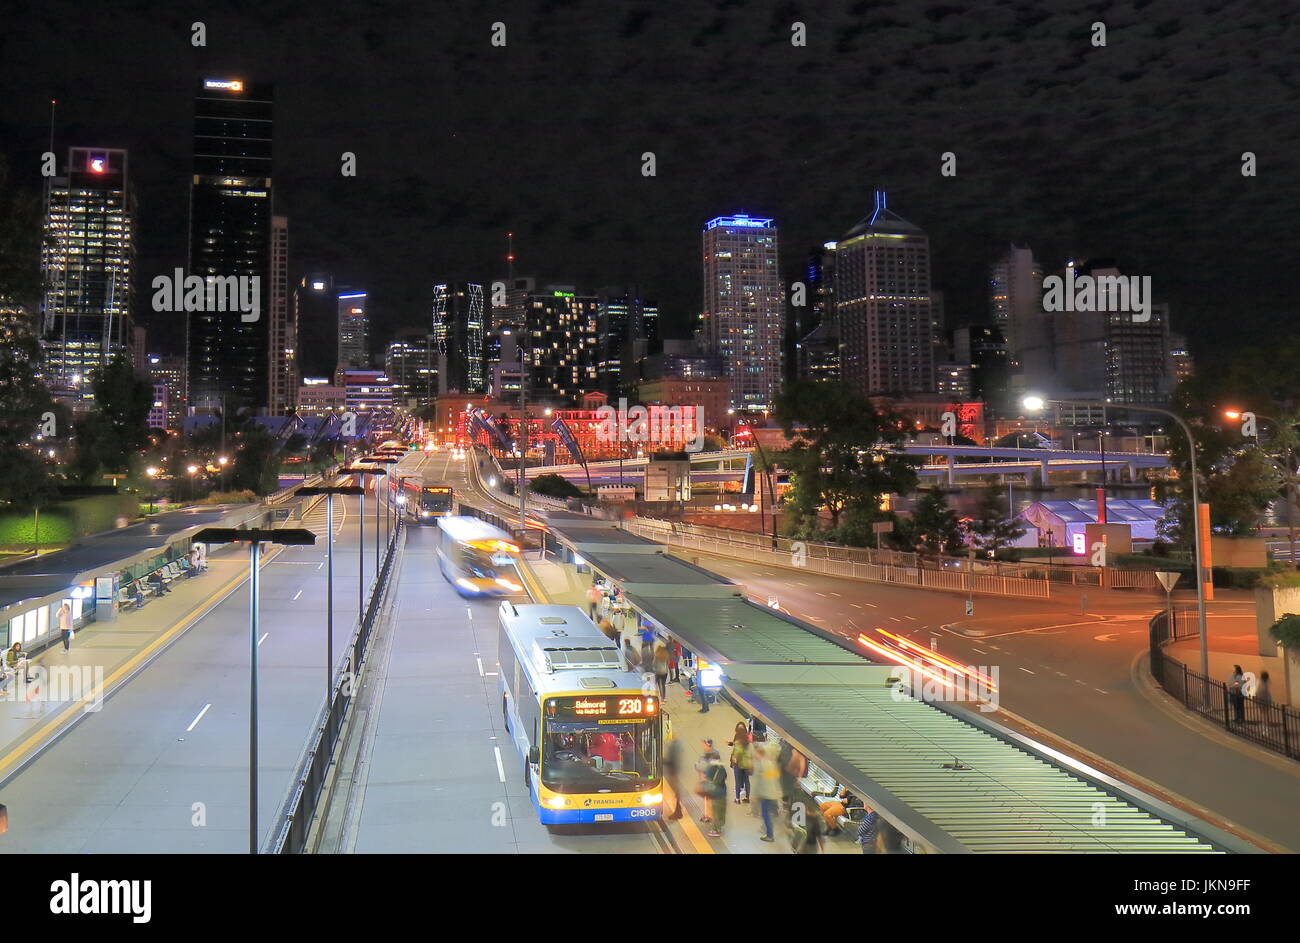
(111, 437)
(992, 527)
(935, 526)
(846, 455)
(555, 486)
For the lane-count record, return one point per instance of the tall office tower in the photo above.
(230, 237)
(510, 311)
(15, 321)
(411, 363)
(628, 326)
(1139, 368)
(744, 307)
(169, 373)
(353, 330)
(88, 260)
(560, 343)
(459, 331)
(315, 306)
(885, 307)
(1016, 299)
(983, 349)
(1181, 365)
(283, 366)
(814, 335)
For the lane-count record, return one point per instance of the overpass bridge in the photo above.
(730, 465)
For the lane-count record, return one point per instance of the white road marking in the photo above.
(873, 605)
(837, 595)
(469, 612)
(1105, 638)
(264, 637)
(895, 619)
(479, 662)
(501, 770)
(1084, 683)
(913, 618)
(319, 565)
(196, 720)
(981, 651)
(1026, 671)
(855, 605)
(1100, 691)
(489, 674)
(295, 596)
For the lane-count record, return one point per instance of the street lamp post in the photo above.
(254, 537)
(152, 472)
(329, 579)
(379, 460)
(360, 474)
(1036, 403)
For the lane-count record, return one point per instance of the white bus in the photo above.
(590, 733)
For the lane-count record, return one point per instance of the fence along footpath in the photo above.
(949, 574)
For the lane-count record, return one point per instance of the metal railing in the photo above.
(295, 818)
(1045, 572)
(948, 580)
(1274, 726)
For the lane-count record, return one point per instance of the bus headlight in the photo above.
(508, 584)
(425, 513)
(556, 802)
(466, 584)
(652, 798)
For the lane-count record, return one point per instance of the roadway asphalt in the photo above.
(437, 771)
(164, 766)
(1067, 673)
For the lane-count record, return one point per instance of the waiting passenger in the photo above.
(16, 660)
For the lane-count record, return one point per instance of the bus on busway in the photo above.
(590, 734)
(477, 558)
(422, 503)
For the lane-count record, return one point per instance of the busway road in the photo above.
(163, 767)
(437, 770)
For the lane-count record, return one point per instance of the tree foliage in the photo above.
(845, 457)
(935, 527)
(992, 527)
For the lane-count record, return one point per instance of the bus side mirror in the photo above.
(533, 757)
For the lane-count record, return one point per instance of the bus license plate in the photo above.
(604, 816)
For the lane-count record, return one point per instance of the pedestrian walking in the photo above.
(660, 666)
(631, 660)
(1264, 698)
(65, 626)
(1236, 696)
(593, 598)
(741, 761)
(813, 839)
(869, 831)
(767, 785)
(673, 773)
(674, 662)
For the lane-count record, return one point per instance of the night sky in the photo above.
(1131, 151)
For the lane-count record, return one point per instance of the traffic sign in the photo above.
(1167, 579)
(970, 607)
(882, 527)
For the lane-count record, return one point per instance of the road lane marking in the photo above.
(980, 650)
(913, 618)
(856, 605)
(194, 723)
(1100, 691)
(895, 619)
(501, 770)
(873, 605)
(479, 662)
(264, 637)
(1026, 671)
(295, 596)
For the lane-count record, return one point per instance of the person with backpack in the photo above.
(742, 760)
(714, 786)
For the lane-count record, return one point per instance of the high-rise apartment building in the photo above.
(889, 317)
(815, 335)
(743, 320)
(354, 330)
(1016, 299)
(459, 332)
(88, 261)
(228, 351)
(283, 366)
(560, 344)
(169, 373)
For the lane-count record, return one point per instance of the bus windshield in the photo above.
(591, 756)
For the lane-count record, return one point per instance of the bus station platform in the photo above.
(945, 778)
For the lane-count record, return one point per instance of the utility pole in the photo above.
(522, 439)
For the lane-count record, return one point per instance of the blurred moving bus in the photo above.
(590, 735)
(477, 558)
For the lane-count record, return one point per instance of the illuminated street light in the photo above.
(1036, 403)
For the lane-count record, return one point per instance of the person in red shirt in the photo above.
(674, 659)
(606, 746)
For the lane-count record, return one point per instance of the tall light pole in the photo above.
(254, 537)
(360, 474)
(385, 462)
(329, 578)
(1036, 403)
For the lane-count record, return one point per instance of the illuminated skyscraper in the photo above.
(315, 306)
(744, 307)
(88, 259)
(228, 352)
(888, 316)
(354, 330)
(283, 366)
(458, 329)
(628, 326)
